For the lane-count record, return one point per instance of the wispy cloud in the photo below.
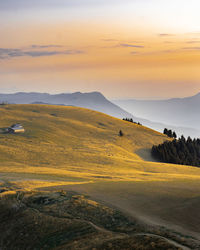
(134, 53)
(35, 46)
(127, 45)
(168, 42)
(13, 53)
(165, 34)
(191, 48)
(156, 52)
(109, 40)
(51, 53)
(124, 45)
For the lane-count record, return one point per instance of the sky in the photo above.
(148, 49)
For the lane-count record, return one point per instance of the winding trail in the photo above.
(172, 242)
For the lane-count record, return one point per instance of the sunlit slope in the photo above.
(73, 144)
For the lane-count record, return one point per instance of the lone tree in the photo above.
(121, 133)
(174, 135)
(170, 133)
(165, 131)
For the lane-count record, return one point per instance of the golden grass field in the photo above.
(79, 149)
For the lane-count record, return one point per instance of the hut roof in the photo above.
(17, 126)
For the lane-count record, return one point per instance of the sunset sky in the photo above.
(123, 48)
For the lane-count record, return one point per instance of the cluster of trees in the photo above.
(182, 151)
(131, 120)
(128, 120)
(170, 133)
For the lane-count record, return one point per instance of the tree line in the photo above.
(131, 120)
(179, 151)
(170, 133)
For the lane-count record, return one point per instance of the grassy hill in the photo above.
(80, 143)
(78, 149)
(73, 142)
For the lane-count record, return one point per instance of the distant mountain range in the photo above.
(135, 109)
(178, 111)
(93, 100)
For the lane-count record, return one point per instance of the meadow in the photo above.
(70, 148)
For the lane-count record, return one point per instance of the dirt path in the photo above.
(155, 204)
(172, 242)
(152, 205)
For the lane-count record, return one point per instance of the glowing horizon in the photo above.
(124, 49)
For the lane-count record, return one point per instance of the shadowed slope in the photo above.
(59, 220)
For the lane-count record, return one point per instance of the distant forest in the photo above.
(179, 151)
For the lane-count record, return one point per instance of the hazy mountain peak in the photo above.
(197, 95)
(96, 101)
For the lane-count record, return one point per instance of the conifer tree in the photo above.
(181, 151)
(174, 135)
(121, 133)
